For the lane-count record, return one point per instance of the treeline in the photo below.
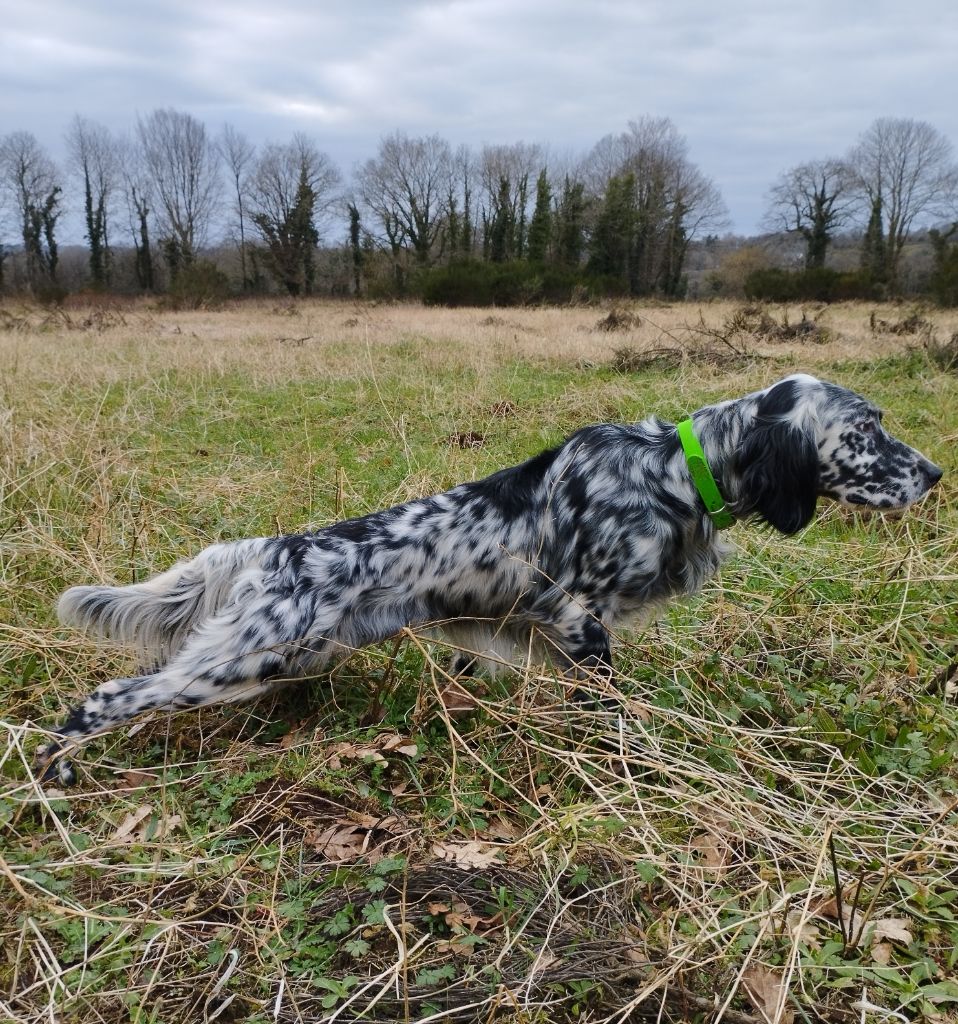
(173, 208)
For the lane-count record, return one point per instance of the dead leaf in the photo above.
(456, 699)
(894, 929)
(137, 779)
(456, 947)
(803, 930)
(338, 844)
(290, 739)
(881, 953)
(504, 409)
(767, 991)
(388, 823)
(351, 752)
(401, 745)
(465, 439)
(467, 855)
(715, 852)
(124, 834)
(501, 828)
(851, 919)
(165, 826)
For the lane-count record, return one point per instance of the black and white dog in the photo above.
(553, 552)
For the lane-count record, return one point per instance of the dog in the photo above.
(580, 538)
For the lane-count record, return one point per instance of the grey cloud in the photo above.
(754, 86)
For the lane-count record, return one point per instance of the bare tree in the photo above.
(813, 199)
(904, 171)
(290, 187)
(184, 168)
(237, 153)
(30, 180)
(94, 160)
(406, 188)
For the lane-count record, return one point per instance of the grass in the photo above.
(761, 828)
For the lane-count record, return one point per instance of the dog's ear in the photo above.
(778, 468)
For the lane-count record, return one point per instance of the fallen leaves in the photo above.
(878, 934)
(373, 752)
(144, 824)
(468, 927)
(357, 835)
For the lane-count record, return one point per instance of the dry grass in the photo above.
(275, 342)
(758, 825)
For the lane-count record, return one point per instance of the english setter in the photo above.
(558, 549)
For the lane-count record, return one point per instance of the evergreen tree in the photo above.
(519, 218)
(571, 224)
(944, 278)
(291, 235)
(502, 225)
(540, 227)
(611, 243)
(355, 248)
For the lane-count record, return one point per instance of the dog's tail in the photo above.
(154, 617)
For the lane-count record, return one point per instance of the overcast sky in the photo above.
(756, 86)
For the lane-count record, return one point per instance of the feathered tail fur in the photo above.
(154, 617)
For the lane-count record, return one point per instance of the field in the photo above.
(762, 827)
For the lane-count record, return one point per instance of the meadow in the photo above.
(761, 827)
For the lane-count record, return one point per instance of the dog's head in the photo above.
(811, 439)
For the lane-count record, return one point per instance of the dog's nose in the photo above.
(933, 473)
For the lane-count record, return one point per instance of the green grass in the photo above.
(788, 736)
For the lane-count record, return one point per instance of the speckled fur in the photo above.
(551, 553)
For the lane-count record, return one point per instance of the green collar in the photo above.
(702, 477)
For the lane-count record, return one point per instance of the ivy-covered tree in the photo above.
(944, 277)
(94, 160)
(813, 200)
(874, 253)
(29, 177)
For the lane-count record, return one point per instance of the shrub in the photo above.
(198, 285)
(472, 283)
(818, 285)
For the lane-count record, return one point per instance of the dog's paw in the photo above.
(51, 767)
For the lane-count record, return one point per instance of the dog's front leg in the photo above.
(582, 645)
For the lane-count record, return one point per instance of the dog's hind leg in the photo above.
(236, 655)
